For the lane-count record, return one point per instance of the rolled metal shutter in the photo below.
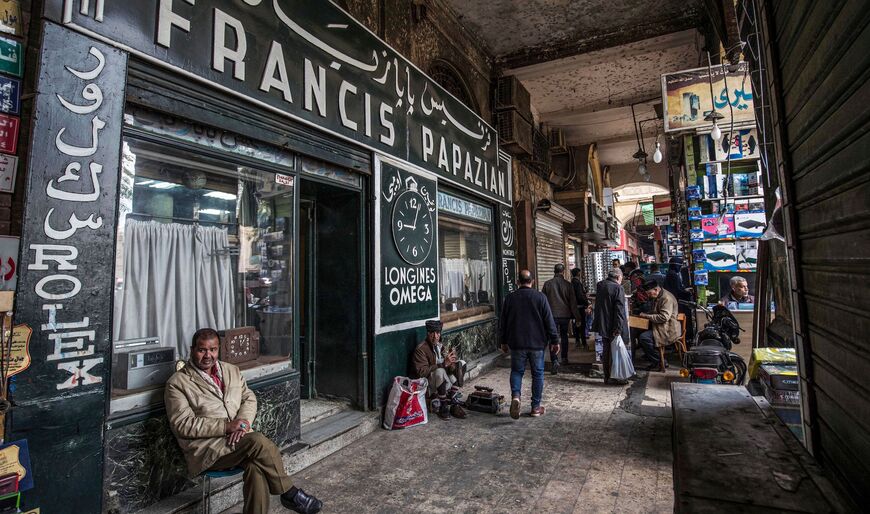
(549, 247)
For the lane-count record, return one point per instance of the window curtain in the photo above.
(453, 272)
(177, 278)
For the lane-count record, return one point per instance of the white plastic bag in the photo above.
(406, 405)
(621, 367)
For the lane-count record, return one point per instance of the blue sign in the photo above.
(453, 205)
(18, 451)
(10, 95)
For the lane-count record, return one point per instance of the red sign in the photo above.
(8, 134)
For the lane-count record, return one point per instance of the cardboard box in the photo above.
(638, 322)
(780, 377)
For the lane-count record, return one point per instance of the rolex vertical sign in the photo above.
(407, 247)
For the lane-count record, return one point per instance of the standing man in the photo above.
(210, 410)
(583, 307)
(444, 371)
(656, 274)
(525, 327)
(563, 305)
(677, 285)
(611, 317)
(664, 329)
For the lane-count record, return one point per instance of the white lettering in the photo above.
(52, 324)
(428, 143)
(442, 156)
(79, 151)
(457, 158)
(77, 342)
(95, 168)
(387, 124)
(315, 88)
(275, 63)
(345, 88)
(166, 19)
(74, 222)
(62, 260)
(368, 106)
(220, 51)
(79, 370)
(40, 287)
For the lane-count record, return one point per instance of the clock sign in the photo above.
(412, 225)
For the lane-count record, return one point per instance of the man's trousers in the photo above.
(264, 470)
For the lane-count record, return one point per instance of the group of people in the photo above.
(211, 410)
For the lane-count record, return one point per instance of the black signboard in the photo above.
(313, 62)
(407, 260)
(65, 289)
(507, 242)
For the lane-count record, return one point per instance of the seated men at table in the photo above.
(664, 326)
(739, 296)
(210, 410)
(445, 372)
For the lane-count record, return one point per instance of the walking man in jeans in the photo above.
(525, 328)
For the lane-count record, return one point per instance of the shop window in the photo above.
(465, 268)
(201, 242)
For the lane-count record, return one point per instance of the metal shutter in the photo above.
(549, 248)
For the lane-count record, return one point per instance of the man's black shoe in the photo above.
(554, 369)
(297, 501)
(444, 411)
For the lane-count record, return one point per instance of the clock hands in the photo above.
(416, 215)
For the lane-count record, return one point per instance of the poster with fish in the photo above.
(749, 224)
(747, 254)
(720, 256)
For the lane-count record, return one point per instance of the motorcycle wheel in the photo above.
(740, 371)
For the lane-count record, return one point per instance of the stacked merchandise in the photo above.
(595, 267)
(776, 374)
(725, 209)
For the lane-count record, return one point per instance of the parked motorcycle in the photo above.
(710, 360)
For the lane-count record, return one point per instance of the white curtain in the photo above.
(480, 276)
(177, 278)
(452, 277)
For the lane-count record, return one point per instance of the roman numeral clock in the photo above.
(412, 225)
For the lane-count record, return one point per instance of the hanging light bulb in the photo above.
(657, 156)
(647, 177)
(716, 133)
(641, 168)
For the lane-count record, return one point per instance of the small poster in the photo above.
(8, 263)
(743, 145)
(720, 257)
(10, 95)
(662, 221)
(749, 224)
(19, 356)
(15, 458)
(701, 277)
(10, 17)
(747, 254)
(694, 212)
(693, 193)
(11, 57)
(8, 133)
(699, 255)
(8, 172)
(696, 235)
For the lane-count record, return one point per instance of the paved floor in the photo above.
(598, 449)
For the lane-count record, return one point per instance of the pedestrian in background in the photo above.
(581, 334)
(563, 305)
(611, 316)
(526, 327)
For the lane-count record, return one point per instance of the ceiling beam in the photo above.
(625, 35)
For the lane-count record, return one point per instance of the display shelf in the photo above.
(726, 239)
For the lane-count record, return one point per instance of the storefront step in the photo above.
(314, 410)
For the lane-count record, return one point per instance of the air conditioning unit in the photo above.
(557, 141)
(511, 94)
(540, 161)
(514, 133)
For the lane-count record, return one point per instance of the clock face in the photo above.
(413, 230)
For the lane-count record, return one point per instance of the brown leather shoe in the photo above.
(537, 412)
(458, 412)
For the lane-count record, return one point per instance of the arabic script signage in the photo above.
(407, 259)
(687, 100)
(65, 287)
(313, 62)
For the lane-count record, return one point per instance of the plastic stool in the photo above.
(207, 477)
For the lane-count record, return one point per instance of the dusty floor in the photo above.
(597, 449)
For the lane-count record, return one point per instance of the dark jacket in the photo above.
(610, 310)
(561, 297)
(580, 293)
(526, 321)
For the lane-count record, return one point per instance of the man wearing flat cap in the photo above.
(665, 328)
(443, 369)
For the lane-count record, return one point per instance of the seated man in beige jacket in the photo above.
(210, 410)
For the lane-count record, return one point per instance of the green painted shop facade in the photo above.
(270, 169)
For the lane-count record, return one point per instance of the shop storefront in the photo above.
(310, 194)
